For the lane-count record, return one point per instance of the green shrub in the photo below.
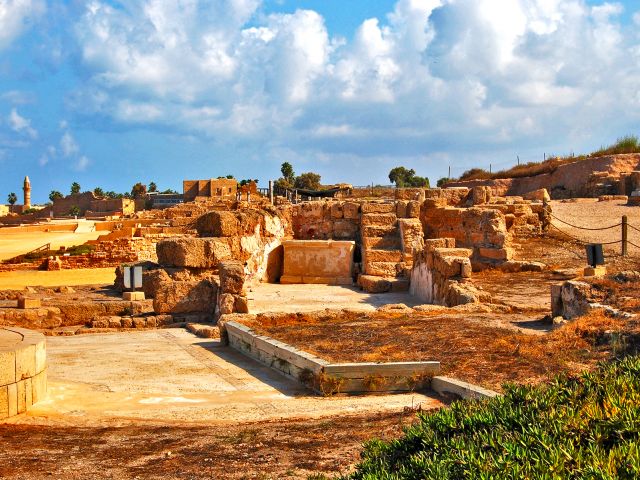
(582, 427)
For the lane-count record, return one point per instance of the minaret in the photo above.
(27, 193)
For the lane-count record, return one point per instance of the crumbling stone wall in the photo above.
(334, 220)
(441, 274)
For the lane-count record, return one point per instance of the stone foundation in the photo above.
(23, 370)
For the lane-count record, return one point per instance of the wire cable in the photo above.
(585, 228)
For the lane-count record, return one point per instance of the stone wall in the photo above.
(441, 274)
(23, 370)
(324, 220)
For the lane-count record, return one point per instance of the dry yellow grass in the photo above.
(467, 348)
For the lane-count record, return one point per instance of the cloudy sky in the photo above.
(108, 92)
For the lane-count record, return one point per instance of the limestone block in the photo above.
(597, 271)
(413, 209)
(25, 361)
(241, 304)
(351, 210)
(139, 322)
(232, 277)
(344, 230)
(7, 369)
(12, 394)
(371, 284)
(197, 296)
(217, 224)
(100, 323)
(336, 210)
(151, 322)
(378, 219)
(499, 254)
(133, 296)
(378, 207)
(21, 397)
(401, 209)
(26, 302)
(126, 322)
(39, 387)
(114, 322)
(4, 401)
(317, 258)
(194, 252)
(226, 303)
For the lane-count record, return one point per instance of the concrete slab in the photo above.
(271, 297)
(171, 375)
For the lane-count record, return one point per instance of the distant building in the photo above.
(164, 200)
(87, 202)
(218, 188)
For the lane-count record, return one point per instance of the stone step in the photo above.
(391, 242)
(383, 269)
(382, 255)
(379, 219)
(374, 207)
(372, 284)
(379, 231)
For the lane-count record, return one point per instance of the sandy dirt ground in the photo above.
(30, 278)
(166, 404)
(13, 244)
(273, 297)
(590, 213)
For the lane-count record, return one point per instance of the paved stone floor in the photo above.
(305, 298)
(171, 375)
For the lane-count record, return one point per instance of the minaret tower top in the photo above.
(27, 193)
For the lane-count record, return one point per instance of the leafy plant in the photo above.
(574, 427)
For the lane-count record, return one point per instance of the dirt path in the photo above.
(29, 278)
(13, 244)
(590, 213)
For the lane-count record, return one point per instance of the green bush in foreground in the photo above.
(584, 427)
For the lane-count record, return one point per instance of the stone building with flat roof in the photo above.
(215, 188)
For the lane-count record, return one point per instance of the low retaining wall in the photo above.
(324, 377)
(23, 370)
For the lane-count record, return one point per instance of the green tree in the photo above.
(75, 188)
(138, 190)
(443, 181)
(54, 195)
(12, 198)
(98, 192)
(287, 172)
(308, 181)
(404, 177)
(74, 211)
(153, 187)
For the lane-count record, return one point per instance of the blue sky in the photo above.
(108, 93)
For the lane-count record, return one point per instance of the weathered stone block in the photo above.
(25, 361)
(26, 302)
(371, 284)
(194, 252)
(232, 277)
(7, 367)
(226, 303)
(413, 209)
(197, 296)
(351, 210)
(336, 210)
(218, 224)
(378, 207)
(241, 304)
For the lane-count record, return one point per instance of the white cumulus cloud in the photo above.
(21, 124)
(15, 16)
(431, 75)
